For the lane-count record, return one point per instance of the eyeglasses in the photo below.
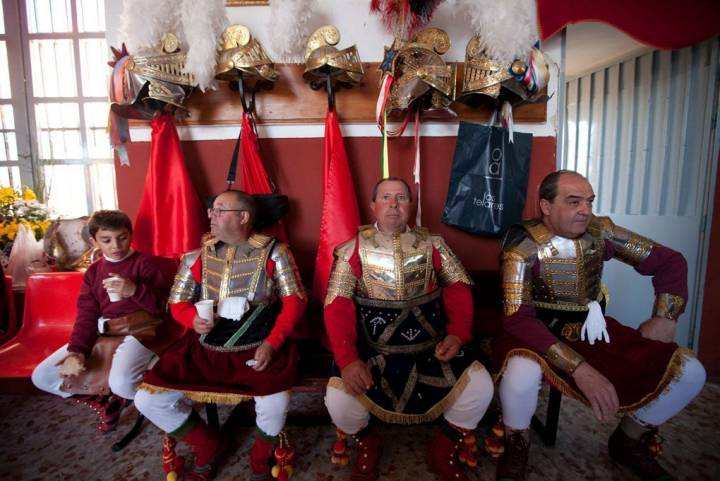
(219, 211)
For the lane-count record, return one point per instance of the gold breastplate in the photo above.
(236, 270)
(570, 270)
(395, 267)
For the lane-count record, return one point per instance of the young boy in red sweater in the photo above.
(118, 289)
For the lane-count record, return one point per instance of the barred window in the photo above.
(53, 103)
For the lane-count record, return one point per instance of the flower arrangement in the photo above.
(21, 207)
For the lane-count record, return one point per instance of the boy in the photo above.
(122, 290)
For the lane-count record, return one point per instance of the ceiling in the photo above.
(593, 46)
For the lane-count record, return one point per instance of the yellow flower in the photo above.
(12, 229)
(7, 195)
(28, 194)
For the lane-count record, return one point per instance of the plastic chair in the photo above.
(48, 318)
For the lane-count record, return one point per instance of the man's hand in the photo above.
(72, 364)
(124, 286)
(263, 356)
(357, 378)
(658, 329)
(202, 326)
(448, 348)
(598, 390)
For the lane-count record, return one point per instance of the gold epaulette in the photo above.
(601, 227)
(537, 230)
(259, 241)
(345, 250)
(524, 250)
(208, 239)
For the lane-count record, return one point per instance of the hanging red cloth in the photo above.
(667, 24)
(254, 178)
(171, 219)
(340, 215)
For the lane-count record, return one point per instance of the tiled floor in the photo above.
(47, 438)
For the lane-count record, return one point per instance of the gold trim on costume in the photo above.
(429, 415)
(563, 357)
(200, 396)
(668, 306)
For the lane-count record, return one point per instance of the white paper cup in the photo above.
(114, 295)
(205, 309)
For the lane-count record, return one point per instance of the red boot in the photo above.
(442, 454)
(108, 409)
(260, 456)
(206, 445)
(369, 449)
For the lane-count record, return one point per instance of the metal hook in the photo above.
(329, 88)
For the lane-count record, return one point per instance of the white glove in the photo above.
(594, 327)
(233, 308)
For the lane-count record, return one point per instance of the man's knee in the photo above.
(522, 377)
(482, 387)
(143, 400)
(693, 374)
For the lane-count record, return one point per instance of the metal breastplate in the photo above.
(570, 272)
(395, 267)
(236, 271)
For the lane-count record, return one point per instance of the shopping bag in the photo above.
(488, 180)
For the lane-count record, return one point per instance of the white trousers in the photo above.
(520, 385)
(129, 363)
(169, 410)
(350, 416)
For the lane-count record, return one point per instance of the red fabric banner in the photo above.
(666, 24)
(254, 178)
(340, 215)
(171, 219)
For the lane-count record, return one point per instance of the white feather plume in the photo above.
(197, 27)
(143, 22)
(507, 29)
(289, 27)
(202, 30)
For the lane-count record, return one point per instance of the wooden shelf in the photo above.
(292, 101)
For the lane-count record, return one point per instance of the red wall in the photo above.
(296, 166)
(710, 328)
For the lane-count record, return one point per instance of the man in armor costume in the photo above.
(398, 313)
(244, 352)
(554, 327)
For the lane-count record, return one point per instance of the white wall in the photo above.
(357, 26)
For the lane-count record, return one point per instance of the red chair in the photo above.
(8, 307)
(49, 315)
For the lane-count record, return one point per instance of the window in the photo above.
(53, 103)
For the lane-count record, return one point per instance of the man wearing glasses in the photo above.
(240, 351)
(398, 313)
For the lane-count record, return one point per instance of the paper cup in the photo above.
(114, 296)
(205, 309)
